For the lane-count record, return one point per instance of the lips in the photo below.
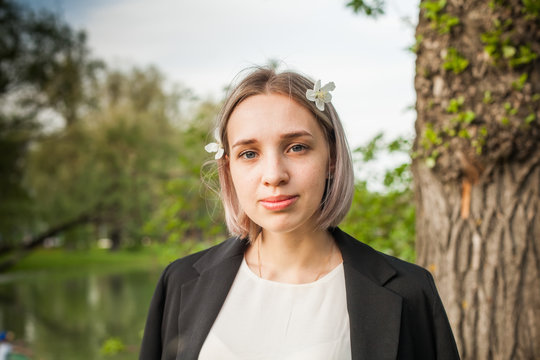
(278, 202)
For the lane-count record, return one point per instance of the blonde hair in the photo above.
(340, 184)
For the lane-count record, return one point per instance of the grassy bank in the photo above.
(154, 257)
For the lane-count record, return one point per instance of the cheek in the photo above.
(241, 182)
(313, 178)
(315, 171)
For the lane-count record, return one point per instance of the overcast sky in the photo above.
(204, 44)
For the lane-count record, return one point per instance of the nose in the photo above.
(275, 172)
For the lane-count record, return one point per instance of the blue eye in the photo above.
(248, 155)
(297, 148)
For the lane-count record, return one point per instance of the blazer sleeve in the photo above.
(152, 341)
(445, 343)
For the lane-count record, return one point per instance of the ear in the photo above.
(331, 169)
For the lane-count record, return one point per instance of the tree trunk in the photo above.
(116, 237)
(486, 266)
(21, 250)
(477, 171)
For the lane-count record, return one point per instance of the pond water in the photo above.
(67, 316)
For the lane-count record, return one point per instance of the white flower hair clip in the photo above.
(321, 95)
(216, 147)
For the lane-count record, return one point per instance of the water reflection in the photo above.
(69, 317)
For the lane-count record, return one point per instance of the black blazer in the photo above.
(394, 309)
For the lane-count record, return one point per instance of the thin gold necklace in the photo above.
(259, 258)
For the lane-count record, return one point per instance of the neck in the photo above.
(293, 258)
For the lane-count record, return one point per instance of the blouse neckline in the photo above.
(244, 267)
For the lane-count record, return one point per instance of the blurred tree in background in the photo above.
(384, 217)
(113, 163)
(45, 70)
(90, 152)
(190, 210)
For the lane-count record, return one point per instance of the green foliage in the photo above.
(371, 149)
(509, 109)
(429, 141)
(431, 161)
(433, 139)
(518, 84)
(497, 41)
(189, 210)
(480, 141)
(454, 61)
(530, 118)
(455, 105)
(384, 219)
(372, 8)
(487, 97)
(416, 46)
(15, 205)
(113, 164)
(494, 3)
(531, 8)
(442, 22)
(465, 117)
(430, 137)
(46, 66)
(508, 51)
(499, 46)
(524, 56)
(378, 147)
(463, 133)
(112, 346)
(47, 59)
(433, 8)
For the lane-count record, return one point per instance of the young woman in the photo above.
(290, 284)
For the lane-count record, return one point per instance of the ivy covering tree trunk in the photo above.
(476, 170)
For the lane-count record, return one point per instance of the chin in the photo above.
(283, 227)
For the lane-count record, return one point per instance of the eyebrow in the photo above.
(286, 136)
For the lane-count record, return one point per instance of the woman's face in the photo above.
(278, 159)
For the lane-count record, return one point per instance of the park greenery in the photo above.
(90, 152)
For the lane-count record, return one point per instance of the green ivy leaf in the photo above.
(469, 116)
(530, 118)
(487, 97)
(508, 51)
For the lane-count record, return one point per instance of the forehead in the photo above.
(265, 115)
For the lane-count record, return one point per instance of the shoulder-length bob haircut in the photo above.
(340, 184)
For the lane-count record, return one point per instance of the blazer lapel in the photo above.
(374, 311)
(203, 297)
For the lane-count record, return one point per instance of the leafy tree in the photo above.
(190, 209)
(370, 8)
(15, 135)
(45, 64)
(113, 163)
(384, 218)
(45, 68)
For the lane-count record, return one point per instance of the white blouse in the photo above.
(263, 320)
